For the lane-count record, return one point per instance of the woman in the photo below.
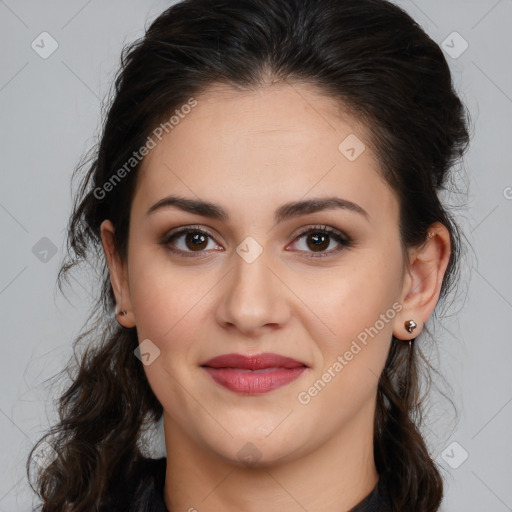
(263, 208)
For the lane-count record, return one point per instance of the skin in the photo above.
(251, 152)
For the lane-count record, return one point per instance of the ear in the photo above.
(422, 283)
(118, 275)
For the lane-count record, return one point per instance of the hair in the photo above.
(373, 59)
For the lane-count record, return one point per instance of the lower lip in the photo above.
(254, 382)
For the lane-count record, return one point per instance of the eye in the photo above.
(193, 240)
(319, 238)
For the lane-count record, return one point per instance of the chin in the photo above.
(259, 450)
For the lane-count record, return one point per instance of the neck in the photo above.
(335, 476)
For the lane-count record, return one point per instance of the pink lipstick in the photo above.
(254, 374)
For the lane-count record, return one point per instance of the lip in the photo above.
(253, 361)
(253, 374)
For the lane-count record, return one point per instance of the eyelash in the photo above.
(338, 236)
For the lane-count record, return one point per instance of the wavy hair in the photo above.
(380, 65)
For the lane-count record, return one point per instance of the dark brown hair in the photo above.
(378, 63)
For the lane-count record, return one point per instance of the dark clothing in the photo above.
(151, 497)
(377, 501)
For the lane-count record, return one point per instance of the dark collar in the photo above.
(377, 501)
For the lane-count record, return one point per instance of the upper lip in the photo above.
(253, 361)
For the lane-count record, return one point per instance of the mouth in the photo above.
(253, 374)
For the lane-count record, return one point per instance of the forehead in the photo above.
(280, 141)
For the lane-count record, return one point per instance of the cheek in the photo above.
(347, 302)
(156, 291)
(167, 308)
(168, 304)
(163, 304)
(351, 356)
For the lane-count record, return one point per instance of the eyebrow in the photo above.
(284, 212)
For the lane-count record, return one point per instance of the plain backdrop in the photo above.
(50, 115)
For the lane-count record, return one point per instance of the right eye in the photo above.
(187, 241)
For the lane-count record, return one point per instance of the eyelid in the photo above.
(183, 230)
(344, 241)
(319, 227)
(188, 227)
(341, 238)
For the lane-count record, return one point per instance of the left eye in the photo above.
(319, 239)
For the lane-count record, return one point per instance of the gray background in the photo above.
(50, 117)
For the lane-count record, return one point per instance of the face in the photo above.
(322, 286)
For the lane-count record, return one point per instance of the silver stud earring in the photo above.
(410, 325)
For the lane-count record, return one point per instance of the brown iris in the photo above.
(321, 241)
(197, 241)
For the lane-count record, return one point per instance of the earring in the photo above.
(122, 312)
(410, 325)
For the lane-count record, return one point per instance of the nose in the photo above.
(254, 297)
